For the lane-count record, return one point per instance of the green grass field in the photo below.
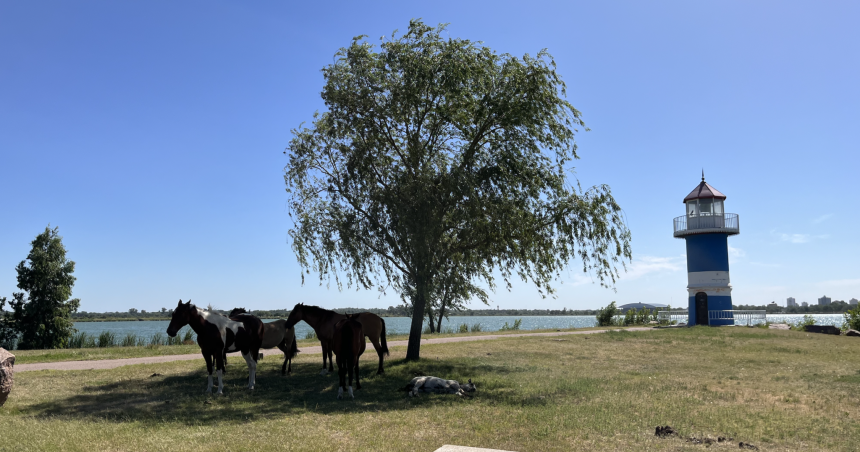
(779, 390)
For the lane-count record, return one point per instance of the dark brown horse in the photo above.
(218, 335)
(276, 334)
(348, 344)
(323, 322)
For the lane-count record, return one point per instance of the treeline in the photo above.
(391, 311)
(836, 307)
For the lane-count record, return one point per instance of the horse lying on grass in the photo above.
(348, 344)
(276, 334)
(436, 385)
(218, 335)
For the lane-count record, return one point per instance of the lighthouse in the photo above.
(706, 228)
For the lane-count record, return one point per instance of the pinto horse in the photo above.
(348, 345)
(218, 335)
(323, 322)
(276, 334)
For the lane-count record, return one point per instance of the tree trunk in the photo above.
(441, 316)
(413, 348)
(430, 317)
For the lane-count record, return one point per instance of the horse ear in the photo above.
(180, 302)
(188, 303)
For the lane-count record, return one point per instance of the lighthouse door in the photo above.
(701, 308)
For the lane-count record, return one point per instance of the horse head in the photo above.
(237, 311)
(181, 317)
(295, 316)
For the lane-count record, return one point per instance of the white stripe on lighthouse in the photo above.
(707, 279)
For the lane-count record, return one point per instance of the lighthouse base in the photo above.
(708, 306)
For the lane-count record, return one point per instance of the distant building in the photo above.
(790, 302)
(825, 300)
(805, 304)
(773, 305)
(852, 302)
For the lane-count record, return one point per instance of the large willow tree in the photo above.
(434, 150)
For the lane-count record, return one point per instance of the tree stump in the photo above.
(7, 361)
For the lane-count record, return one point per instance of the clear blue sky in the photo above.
(152, 134)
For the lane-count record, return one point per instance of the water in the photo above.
(400, 325)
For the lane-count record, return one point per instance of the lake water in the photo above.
(400, 325)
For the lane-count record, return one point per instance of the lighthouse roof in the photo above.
(704, 190)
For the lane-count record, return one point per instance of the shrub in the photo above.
(808, 320)
(156, 340)
(514, 327)
(606, 316)
(464, 328)
(852, 319)
(629, 317)
(130, 340)
(189, 336)
(311, 334)
(107, 339)
(447, 330)
(476, 328)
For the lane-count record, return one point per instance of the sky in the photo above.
(152, 134)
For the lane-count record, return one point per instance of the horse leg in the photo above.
(219, 365)
(378, 348)
(252, 367)
(325, 353)
(284, 349)
(357, 383)
(351, 371)
(208, 358)
(341, 380)
(330, 362)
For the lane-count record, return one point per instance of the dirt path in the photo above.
(114, 363)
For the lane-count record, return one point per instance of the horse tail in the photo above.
(294, 349)
(382, 339)
(347, 339)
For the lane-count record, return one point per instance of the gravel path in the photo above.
(114, 363)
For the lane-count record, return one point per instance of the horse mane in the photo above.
(237, 311)
(315, 309)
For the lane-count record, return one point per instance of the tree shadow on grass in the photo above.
(181, 398)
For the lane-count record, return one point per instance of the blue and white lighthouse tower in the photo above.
(706, 228)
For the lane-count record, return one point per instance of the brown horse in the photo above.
(218, 335)
(323, 322)
(276, 334)
(348, 344)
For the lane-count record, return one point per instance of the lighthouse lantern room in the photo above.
(705, 228)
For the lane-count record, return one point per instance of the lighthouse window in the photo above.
(718, 207)
(705, 206)
(691, 208)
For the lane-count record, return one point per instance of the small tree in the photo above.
(606, 316)
(8, 333)
(42, 311)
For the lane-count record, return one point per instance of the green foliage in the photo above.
(130, 340)
(82, 340)
(8, 333)
(311, 335)
(107, 339)
(801, 325)
(629, 317)
(606, 316)
(852, 319)
(476, 328)
(42, 311)
(438, 156)
(514, 327)
(464, 328)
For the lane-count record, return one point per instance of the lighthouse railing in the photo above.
(669, 316)
(722, 222)
(731, 314)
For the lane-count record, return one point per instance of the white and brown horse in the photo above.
(276, 334)
(323, 322)
(218, 335)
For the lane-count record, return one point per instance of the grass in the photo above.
(780, 390)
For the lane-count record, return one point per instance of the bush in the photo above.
(130, 340)
(852, 319)
(514, 327)
(808, 320)
(156, 340)
(464, 328)
(606, 316)
(107, 339)
(447, 330)
(189, 336)
(313, 334)
(476, 328)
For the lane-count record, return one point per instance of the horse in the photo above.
(348, 345)
(218, 335)
(276, 334)
(323, 322)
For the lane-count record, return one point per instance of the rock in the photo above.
(779, 326)
(823, 329)
(743, 445)
(7, 361)
(852, 333)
